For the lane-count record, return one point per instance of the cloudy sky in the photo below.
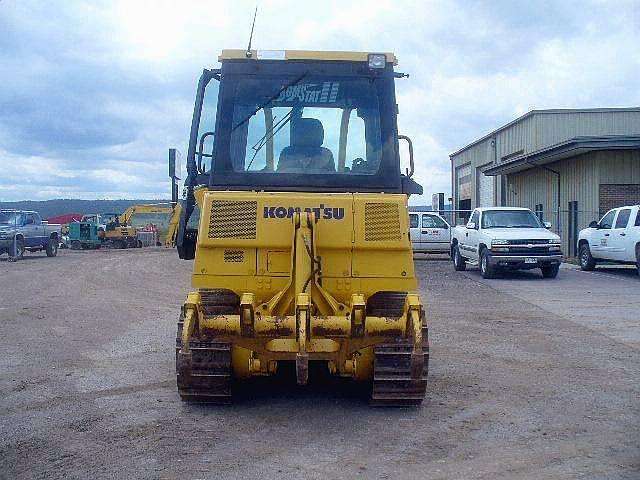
(94, 93)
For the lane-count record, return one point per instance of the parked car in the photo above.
(429, 232)
(614, 239)
(22, 230)
(506, 238)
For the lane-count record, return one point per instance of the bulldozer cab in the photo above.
(295, 121)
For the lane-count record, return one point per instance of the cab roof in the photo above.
(484, 209)
(239, 54)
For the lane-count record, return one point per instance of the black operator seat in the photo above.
(306, 153)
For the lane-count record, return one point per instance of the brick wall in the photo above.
(616, 195)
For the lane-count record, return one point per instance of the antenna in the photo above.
(248, 53)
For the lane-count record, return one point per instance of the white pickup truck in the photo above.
(614, 239)
(506, 238)
(429, 232)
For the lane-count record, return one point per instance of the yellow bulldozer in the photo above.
(302, 251)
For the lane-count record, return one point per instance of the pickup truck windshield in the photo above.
(10, 218)
(510, 219)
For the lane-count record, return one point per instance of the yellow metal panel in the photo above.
(335, 263)
(236, 54)
(383, 222)
(278, 261)
(216, 260)
(274, 227)
(382, 247)
(383, 264)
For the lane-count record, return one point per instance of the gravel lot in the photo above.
(529, 378)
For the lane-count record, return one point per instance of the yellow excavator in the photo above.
(164, 216)
(302, 253)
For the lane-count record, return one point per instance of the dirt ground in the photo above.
(516, 390)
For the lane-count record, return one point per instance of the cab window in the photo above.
(475, 218)
(607, 221)
(638, 218)
(431, 221)
(30, 220)
(623, 218)
(413, 220)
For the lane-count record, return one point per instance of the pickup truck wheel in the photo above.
(587, 262)
(52, 247)
(486, 269)
(550, 271)
(459, 264)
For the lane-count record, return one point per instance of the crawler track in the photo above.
(205, 375)
(393, 383)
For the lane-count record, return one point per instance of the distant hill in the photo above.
(61, 206)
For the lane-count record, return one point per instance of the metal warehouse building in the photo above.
(570, 166)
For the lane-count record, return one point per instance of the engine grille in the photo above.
(234, 256)
(529, 251)
(537, 241)
(381, 222)
(233, 219)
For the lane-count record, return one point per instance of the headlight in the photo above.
(499, 242)
(377, 60)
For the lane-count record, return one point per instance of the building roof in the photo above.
(540, 112)
(569, 148)
(65, 218)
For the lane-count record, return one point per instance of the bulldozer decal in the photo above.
(326, 213)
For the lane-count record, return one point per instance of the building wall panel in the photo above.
(544, 129)
(578, 183)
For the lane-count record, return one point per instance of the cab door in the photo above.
(620, 241)
(435, 233)
(600, 244)
(31, 231)
(469, 243)
(414, 230)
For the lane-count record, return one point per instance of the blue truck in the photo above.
(25, 231)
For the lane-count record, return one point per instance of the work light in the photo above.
(377, 60)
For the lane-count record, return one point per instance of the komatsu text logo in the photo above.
(326, 213)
